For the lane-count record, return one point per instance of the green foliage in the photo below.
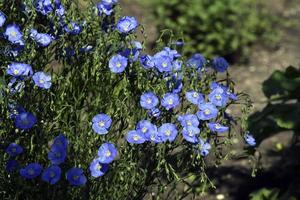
(216, 27)
(83, 86)
(265, 194)
(282, 89)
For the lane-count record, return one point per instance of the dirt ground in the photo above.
(249, 77)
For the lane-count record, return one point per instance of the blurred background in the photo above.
(260, 39)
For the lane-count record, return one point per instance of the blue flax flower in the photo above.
(127, 24)
(59, 8)
(207, 111)
(229, 93)
(13, 33)
(173, 54)
(190, 133)
(218, 97)
(76, 177)
(42, 39)
(101, 123)
(31, 171)
(97, 168)
(194, 97)
(118, 63)
(145, 127)
(51, 174)
(19, 69)
(149, 100)
(135, 137)
(104, 8)
(197, 61)
(2, 19)
(217, 127)
(42, 80)
(167, 131)
(250, 140)
(204, 147)
(61, 140)
(170, 101)
(147, 61)
(188, 120)
(14, 149)
(25, 121)
(57, 154)
(163, 63)
(73, 28)
(11, 165)
(107, 153)
(44, 6)
(154, 112)
(220, 64)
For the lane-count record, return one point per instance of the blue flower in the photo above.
(173, 54)
(109, 2)
(51, 174)
(42, 80)
(107, 153)
(2, 19)
(170, 101)
(207, 111)
(127, 24)
(154, 112)
(197, 61)
(11, 165)
(14, 149)
(220, 64)
(25, 121)
(59, 8)
(188, 120)
(190, 133)
(19, 69)
(167, 131)
(229, 93)
(176, 65)
(145, 127)
(61, 140)
(104, 8)
(163, 63)
(146, 61)
(101, 123)
(31, 171)
(57, 154)
(149, 100)
(118, 63)
(175, 84)
(13, 33)
(42, 39)
(218, 97)
(194, 97)
(250, 140)
(72, 28)
(76, 177)
(131, 54)
(97, 168)
(135, 137)
(204, 147)
(217, 128)
(44, 6)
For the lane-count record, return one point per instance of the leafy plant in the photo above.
(216, 27)
(84, 115)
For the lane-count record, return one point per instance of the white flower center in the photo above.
(16, 72)
(136, 137)
(168, 133)
(101, 123)
(107, 153)
(195, 94)
(98, 166)
(118, 64)
(206, 111)
(218, 97)
(144, 129)
(170, 101)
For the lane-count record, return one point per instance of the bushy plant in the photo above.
(216, 27)
(85, 115)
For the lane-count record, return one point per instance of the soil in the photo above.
(234, 178)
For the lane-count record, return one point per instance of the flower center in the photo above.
(99, 167)
(30, 171)
(152, 138)
(206, 112)
(168, 133)
(118, 64)
(191, 134)
(14, 149)
(195, 94)
(170, 101)
(75, 177)
(13, 33)
(41, 81)
(57, 154)
(217, 126)
(101, 123)
(189, 123)
(52, 174)
(16, 72)
(136, 137)
(149, 101)
(218, 97)
(144, 129)
(107, 153)
(164, 65)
